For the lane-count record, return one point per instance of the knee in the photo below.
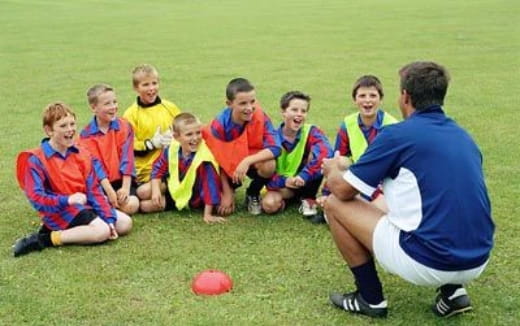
(144, 191)
(267, 168)
(132, 206)
(330, 206)
(271, 205)
(101, 233)
(124, 224)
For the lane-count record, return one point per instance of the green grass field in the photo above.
(283, 267)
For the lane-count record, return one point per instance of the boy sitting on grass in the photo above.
(110, 140)
(60, 182)
(150, 117)
(190, 172)
(244, 142)
(298, 169)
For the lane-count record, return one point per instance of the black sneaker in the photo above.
(318, 219)
(354, 302)
(253, 205)
(27, 244)
(447, 306)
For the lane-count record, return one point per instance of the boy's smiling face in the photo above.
(62, 133)
(295, 114)
(242, 106)
(148, 88)
(368, 101)
(189, 137)
(105, 108)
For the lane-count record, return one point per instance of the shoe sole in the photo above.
(453, 313)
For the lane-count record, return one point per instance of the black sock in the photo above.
(448, 289)
(256, 185)
(368, 282)
(45, 239)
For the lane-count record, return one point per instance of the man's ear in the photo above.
(406, 97)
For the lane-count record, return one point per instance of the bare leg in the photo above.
(95, 232)
(352, 225)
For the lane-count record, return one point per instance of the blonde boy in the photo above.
(60, 182)
(110, 140)
(150, 117)
(190, 172)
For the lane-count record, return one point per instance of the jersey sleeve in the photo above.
(320, 149)
(375, 164)
(342, 141)
(270, 139)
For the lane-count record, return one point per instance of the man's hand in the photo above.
(77, 198)
(338, 162)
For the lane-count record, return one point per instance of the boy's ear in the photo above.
(228, 102)
(48, 130)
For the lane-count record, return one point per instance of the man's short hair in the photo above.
(182, 119)
(143, 70)
(54, 112)
(238, 85)
(95, 91)
(368, 81)
(289, 96)
(426, 82)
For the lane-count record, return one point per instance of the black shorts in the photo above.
(84, 217)
(170, 203)
(116, 184)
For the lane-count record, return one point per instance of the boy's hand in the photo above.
(166, 138)
(321, 201)
(112, 198)
(240, 171)
(157, 138)
(156, 197)
(122, 195)
(214, 219)
(113, 232)
(294, 182)
(227, 204)
(77, 198)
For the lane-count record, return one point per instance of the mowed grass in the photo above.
(283, 267)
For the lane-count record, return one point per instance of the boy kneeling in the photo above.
(190, 172)
(60, 182)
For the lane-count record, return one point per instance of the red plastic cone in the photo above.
(211, 282)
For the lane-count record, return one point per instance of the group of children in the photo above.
(156, 158)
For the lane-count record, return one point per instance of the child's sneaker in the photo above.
(354, 302)
(253, 205)
(308, 207)
(447, 306)
(27, 244)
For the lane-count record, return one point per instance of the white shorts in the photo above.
(389, 254)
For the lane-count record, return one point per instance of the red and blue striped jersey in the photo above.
(342, 139)
(113, 149)
(207, 188)
(223, 128)
(51, 203)
(317, 146)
